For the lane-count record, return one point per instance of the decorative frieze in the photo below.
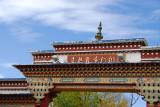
(92, 74)
(91, 70)
(39, 87)
(99, 46)
(49, 82)
(118, 88)
(16, 99)
(149, 88)
(41, 78)
(90, 58)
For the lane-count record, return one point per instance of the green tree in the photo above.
(89, 99)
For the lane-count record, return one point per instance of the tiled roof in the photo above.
(13, 79)
(42, 51)
(101, 41)
(150, 47)
(88, 63)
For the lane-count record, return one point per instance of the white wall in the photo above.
(62, 58)
(133, 57)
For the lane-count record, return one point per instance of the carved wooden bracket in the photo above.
(39, 87)
(149, 88)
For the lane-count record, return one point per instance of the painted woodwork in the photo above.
(17, 99)
(90, 58)
(103, 45)
(90, 66)
(39, 89)
(146, 55)
(143, 76)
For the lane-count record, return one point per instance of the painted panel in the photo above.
(67, 80)
(118, 80)
(90, 58)
(94, 80)
(98, 88)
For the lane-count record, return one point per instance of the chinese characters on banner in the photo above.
(92, 58)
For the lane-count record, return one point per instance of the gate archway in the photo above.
(122, 65)
(141, 78)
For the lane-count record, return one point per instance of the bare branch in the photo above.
(133, 102)
(136, 100)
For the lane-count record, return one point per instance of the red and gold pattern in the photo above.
(91, 74)
(92, 58)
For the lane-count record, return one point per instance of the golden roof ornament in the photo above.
(157, 44)
(99, 35)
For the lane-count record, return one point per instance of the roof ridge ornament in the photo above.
(99, 35)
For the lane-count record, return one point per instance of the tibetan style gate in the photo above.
(141, 78)
(122, 65)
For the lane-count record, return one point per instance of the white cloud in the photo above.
(7, 65)
(24, 34)
(1, 76)
(157, 11)
(75, 15)
(156, 14)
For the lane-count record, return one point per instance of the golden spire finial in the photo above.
(99, 35)
(157, 44)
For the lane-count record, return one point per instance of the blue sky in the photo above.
(27, 25)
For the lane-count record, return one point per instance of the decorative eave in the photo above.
(14, 86)
(88, 51)
(99, 51)
(42, 51)
(59, 65)
(116, 69)
(150, 47)
(13, 79)
(16, 99)
(5, 90)
(151, 59)
(102, 41)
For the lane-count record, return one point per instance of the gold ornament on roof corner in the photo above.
(99, 35)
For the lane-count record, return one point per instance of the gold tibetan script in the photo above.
(103, 59)
(95, 59)
(80, 60)
(73, 60)
(87, 59)
(111, 59)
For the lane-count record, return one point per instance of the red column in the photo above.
(47, 99)
(158, 104)
(37, 106)
(45, 102)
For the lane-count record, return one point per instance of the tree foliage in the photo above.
(89, 99)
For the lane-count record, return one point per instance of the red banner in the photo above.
(92, 58)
